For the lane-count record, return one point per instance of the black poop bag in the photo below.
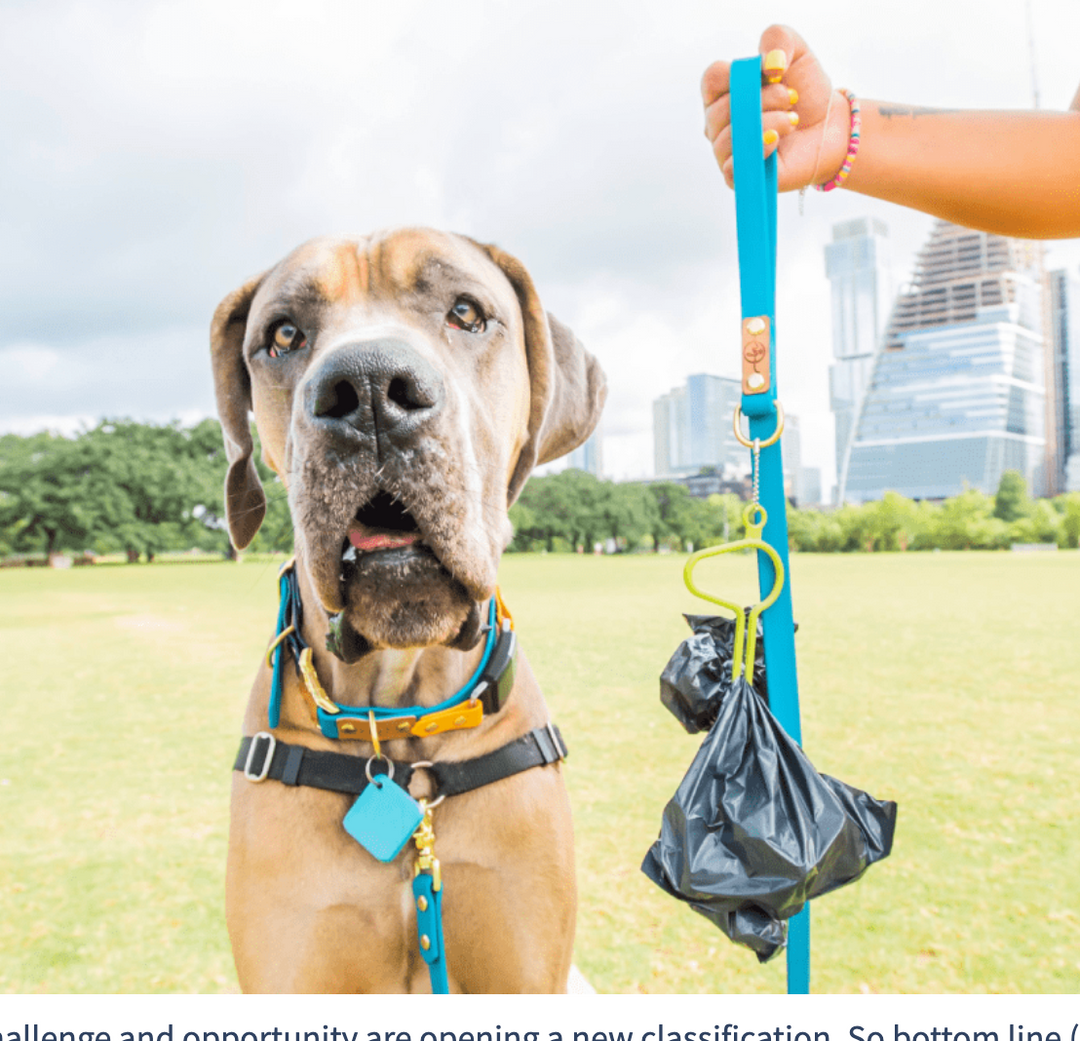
(753, 831)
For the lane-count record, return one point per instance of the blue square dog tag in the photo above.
(383, 818)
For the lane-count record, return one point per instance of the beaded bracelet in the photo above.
(853, 145)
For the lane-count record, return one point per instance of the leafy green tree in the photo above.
(728, 516)
(704, 524)
(158, 477)
(814, 531)
(50, 493)
(856, 527)
(1012, 501)
(1041, 523)
(966, 522)
(567, 505)
(135, 487)
(892, 523)
(1068, 506)
(674, 507)
(524, 521)
(629, 513)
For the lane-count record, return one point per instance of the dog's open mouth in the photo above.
(396, 591)
(383, 523)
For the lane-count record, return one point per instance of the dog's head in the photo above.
(404, 385)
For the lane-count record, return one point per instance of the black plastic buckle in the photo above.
(497, 679)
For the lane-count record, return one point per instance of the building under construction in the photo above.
(957, 393)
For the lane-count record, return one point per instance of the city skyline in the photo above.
(962, 382)
(695, 444)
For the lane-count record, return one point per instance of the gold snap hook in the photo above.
(737, 424)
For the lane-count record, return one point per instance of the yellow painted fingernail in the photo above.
(794, 117)
(793, 95)
(774, 65)
(770, 137)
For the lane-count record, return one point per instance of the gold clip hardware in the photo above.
(424, 837)
(737, 424)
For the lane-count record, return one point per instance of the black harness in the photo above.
(265, 758)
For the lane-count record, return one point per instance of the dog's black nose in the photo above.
(381, 388)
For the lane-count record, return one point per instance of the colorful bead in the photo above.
(853, 145)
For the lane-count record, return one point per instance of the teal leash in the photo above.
(427, 893)
(755, 215)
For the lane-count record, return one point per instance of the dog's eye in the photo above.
(285, 337)
(466, 315)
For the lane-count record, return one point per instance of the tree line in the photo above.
(574, 510)
(142, 489)
(123, 487)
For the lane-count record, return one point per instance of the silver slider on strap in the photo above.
(255, 776)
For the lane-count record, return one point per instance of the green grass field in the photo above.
(948, 682)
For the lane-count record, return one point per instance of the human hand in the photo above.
(794, 113)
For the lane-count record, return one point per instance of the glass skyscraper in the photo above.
(589, 455)
(692, 427)
(858, 265)
(1065, 325)
(957, 392)
(692, 432)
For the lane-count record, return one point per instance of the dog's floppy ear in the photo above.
(567, 385)
(245, 501)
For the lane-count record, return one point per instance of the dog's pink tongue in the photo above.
(370, 543)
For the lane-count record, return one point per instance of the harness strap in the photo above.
(336, 772)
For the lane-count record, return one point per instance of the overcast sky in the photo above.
(157, 154)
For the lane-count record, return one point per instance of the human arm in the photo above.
(1013, 173)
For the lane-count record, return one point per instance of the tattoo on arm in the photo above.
(914, 111)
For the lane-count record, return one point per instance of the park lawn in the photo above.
(946, 681)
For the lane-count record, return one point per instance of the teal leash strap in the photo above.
(427, 897)
(755, 216)
(276, 683)
(755, 219)
(429, 931)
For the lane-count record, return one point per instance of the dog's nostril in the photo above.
(406, 394)
(341, 401)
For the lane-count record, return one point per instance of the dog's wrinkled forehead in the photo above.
(331, 283)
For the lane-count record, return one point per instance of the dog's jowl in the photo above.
(399, 820)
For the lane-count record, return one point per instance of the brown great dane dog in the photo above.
(403, 385)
